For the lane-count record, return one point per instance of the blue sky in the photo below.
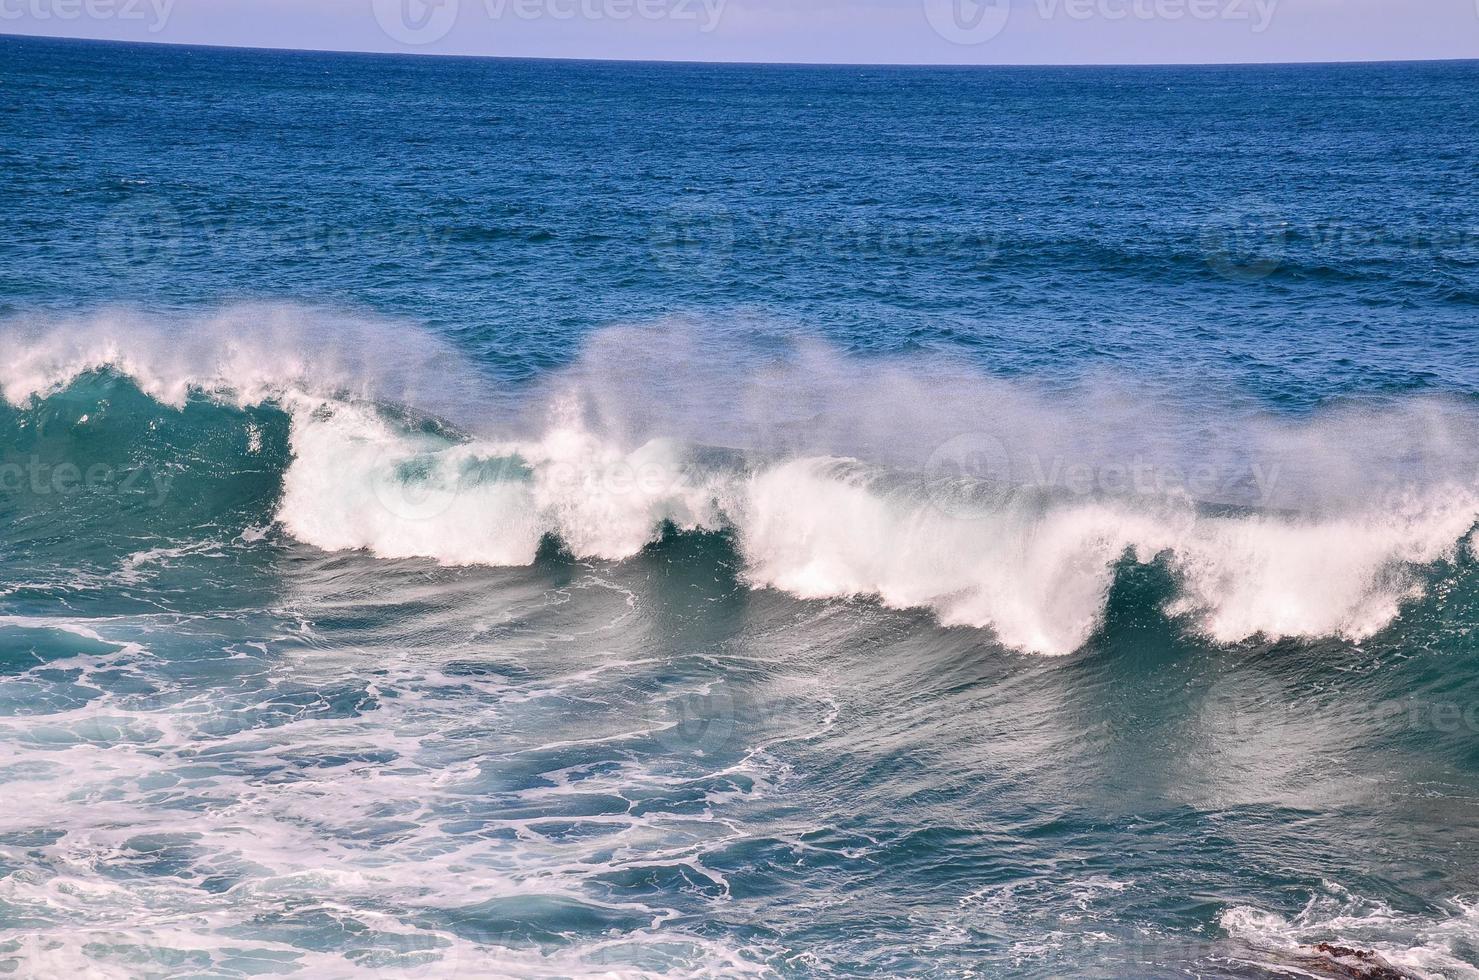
(849, 31)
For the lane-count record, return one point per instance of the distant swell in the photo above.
(604, 460)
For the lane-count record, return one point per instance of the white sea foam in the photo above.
(358, 481)
(1039, 574)
(1431, 946)
(1036, 570)
(314, 849)
(923, 485)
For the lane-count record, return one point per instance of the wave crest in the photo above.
(1036, 568)
(870, 492)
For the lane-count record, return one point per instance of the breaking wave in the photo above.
(920, 483)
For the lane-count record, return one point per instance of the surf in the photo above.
(832, 477)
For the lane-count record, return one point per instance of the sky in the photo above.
(806, 31)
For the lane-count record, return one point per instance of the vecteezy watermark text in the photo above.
(1252, 239)
(705, 13)
(978, 21)
(691, 238)
(974, 458)
(155, 12)
(149, 231)
(417, 22)
(41, 478)
(1244, 714)
(1257, 13)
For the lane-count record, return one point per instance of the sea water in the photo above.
(481, 518)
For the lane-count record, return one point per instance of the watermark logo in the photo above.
(153, 13)
(701, 722)
(416, 22)
(141, 231)
(412, 489)
(962, 470)
(695, 239)
(1245, 245)
(967, 21)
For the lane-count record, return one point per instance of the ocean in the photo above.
(496, 518)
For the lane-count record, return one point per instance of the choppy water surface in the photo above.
(476, 518)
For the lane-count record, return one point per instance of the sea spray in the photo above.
(1333, 548)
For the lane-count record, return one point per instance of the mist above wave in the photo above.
(920, 481)
(245, 354)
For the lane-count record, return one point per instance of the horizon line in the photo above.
(421, 53)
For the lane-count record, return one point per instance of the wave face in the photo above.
(996, 507)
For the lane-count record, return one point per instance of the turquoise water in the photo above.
(495, 518)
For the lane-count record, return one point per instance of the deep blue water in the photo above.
(509, 518)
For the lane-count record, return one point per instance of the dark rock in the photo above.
(1359, 964)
